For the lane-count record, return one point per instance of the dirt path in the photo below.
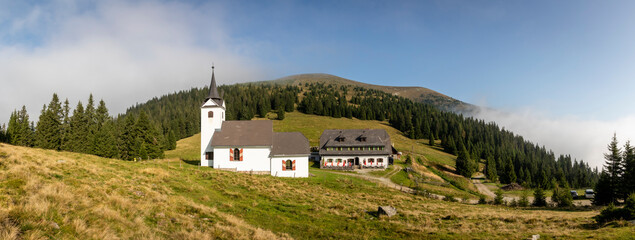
(385, 180)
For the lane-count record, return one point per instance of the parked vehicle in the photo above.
(574, 194)
(589, 193)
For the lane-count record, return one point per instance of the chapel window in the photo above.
(236, 154)
(288, 165)
(210, 114)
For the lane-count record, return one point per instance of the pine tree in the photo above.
(511, 173)
(463, 163)
(49, 127)
(490, 169)
(280, 114)
(21, 129)
(540, 200)
(614, 168)
(105, 141)
(12, 128)
(603, 191)
(65, 128)
(79, 136)
(127, 139)
(629, 169)
(149, 137)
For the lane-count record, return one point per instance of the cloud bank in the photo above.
(582, 139)
(122, 52)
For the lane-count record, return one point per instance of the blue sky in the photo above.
(564, 62)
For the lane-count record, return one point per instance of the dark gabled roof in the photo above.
(353, 138)
(290, 143)
(244, 133)
(213, 91)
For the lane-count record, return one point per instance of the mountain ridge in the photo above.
(415, 93)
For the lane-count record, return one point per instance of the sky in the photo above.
(559, 73)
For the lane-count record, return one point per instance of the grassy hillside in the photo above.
(61, 195)
(417, 94)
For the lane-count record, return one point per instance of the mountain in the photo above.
(416, 94)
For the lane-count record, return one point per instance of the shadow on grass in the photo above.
(373, 213)
(191, 162)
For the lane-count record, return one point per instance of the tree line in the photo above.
(88, 129)
(178, 113)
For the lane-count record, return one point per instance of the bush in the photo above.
(498, 200)
(562, 197)
(482, 200)
(629, 205)
(540, 200)
(611, 213)
(449, 198)
(524, 200)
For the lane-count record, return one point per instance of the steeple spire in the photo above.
(213, 91)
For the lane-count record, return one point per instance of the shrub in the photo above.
(498, 200)
(449, 198)
(611, 213)
(482, 200)
(513, 203)
(524, 200)
(629, 205)
(540, 200)
(562, 197)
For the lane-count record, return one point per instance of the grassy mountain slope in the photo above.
(61, 195)
(417, 94)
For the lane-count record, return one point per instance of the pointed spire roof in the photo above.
(213, 91)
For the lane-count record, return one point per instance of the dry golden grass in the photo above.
(87, 197)
(48, 194)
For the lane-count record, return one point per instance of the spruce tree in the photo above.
(463, 166)
(490, 169)
(280, 114)
(629, 170)
(65, 128)
(614, 168)
(49, 126)
(127, 138)
(79, 136)
(12, 128)
(603, 191)
(540, 200)
(149, 137)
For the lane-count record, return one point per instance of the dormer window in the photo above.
(362, 139)
(340, 139)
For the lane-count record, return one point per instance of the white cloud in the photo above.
(121, 52)
(582, 139)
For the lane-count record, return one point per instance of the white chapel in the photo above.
(249, 146)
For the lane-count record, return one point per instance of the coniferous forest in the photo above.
(88, 129)
(147, 129)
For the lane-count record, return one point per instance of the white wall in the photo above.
(209, 126)
(254, 159)
(301, 166)
(361, 160)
